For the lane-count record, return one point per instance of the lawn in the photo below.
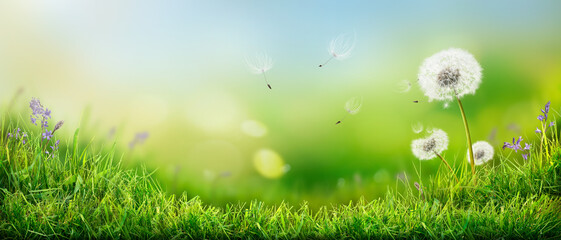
(77, 192)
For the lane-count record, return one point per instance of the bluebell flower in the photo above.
(515, 145)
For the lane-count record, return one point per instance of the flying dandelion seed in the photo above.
(286, 168)
(417, 127)
(482, 152)
(404, 86)
(416, 101)
(260, 64)
(340, 182)
(446, 105)
(352, 106)
(340, 47)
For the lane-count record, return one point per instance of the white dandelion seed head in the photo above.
(427, 148)
(448, 73)
(482, 152)
(260, 63)
(342, 46)
(404, 86)
(417, 127)
(353, 105)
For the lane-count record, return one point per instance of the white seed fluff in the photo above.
(341, 46)
(353, 105)
(448, 73)
(482, 152)
(259, 64)
(417, 127)
(427, 148)
(404, 86)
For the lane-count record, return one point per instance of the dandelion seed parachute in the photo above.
(404, 86)
(417, 127)
(340, 47)
(260, 64)
(427, 148)
(449, 73)
(353, 105)
(482, 152)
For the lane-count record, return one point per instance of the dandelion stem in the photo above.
(321, 65)
(267, 82)
(470, 148)
(447, 165)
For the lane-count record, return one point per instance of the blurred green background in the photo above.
(176, 70)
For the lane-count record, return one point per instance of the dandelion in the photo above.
(340, 47)
(451, 74)
(417, 127)
(482, 152)
(429, 147)
(432, 146)
(404, 86)
(260, 64)
(352, 106)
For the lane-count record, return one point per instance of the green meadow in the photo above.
(268, 120)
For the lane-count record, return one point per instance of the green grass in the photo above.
(85, 193)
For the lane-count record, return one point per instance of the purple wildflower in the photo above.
(47, 135)
(543, 119)
(36, 106)
(47, 113)
(44, 123)
(55, 147)
(515, 145)
(58, 125)
(139, 138)
(17, 136)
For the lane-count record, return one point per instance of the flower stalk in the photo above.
(468, 136)
(447, 165)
